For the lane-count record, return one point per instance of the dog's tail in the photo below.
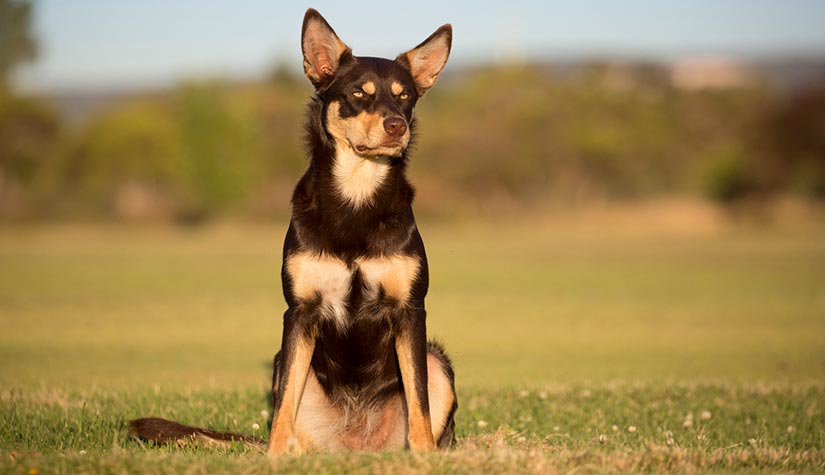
(162, 431)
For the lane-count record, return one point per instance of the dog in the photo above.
(355, 370)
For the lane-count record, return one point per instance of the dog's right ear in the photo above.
(322, 49)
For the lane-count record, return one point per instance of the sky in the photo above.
(94, 45)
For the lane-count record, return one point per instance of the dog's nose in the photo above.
(395, 126)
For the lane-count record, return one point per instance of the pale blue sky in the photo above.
(112, 44)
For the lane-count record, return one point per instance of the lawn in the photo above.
(599, 344)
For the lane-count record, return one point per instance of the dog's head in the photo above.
(370, 100)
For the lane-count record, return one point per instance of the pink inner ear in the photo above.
(324, 65)
(426, 61)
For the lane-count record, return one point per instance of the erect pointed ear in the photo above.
(322, 49)
(426, 60)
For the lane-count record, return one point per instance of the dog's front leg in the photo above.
(296, 355)
(411, 347)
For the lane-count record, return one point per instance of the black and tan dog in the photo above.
(355, 370)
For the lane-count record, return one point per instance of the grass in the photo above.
(708, 339)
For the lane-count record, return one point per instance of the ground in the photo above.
(609, 343)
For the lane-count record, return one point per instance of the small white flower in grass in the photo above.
(752, 441)
(521, 440)
(615, 428)
(687, 423)
(265, 414)
(790, 429)
(523, 393)
(255, 426)
(602, 438)
(543, 395)
(669, 441)
(706, 415)
(556, 428)
(631, 429)
(481, 424)
(82, 452)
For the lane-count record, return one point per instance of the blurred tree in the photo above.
(281, 75)
(793, 144)
(219, 141)
(127, 162)
(726, 175)
(493, 138)
(28, 129)
(16, 41)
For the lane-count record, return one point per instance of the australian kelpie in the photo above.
(355, 370)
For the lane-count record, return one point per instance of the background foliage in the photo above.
(495, 136)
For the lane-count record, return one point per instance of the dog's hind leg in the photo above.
(441, 390)
(295, 357)
(318, 421)
(442, 403)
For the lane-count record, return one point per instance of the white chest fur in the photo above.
(330, 278)
(357, 178)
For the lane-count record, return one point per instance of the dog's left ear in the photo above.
(426, 60)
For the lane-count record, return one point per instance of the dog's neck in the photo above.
(357, 178)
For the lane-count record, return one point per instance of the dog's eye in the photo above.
(358, 94)
(403, 96)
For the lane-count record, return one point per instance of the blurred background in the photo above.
(638, 185)
(193, 111)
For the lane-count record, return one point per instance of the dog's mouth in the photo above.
(389, 148)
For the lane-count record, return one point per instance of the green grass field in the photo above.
(580, 346)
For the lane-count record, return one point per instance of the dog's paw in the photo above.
(284, 446)
(421, 445)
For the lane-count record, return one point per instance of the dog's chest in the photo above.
(329, 278)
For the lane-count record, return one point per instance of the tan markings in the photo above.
(420, 433)
(396, 88)
(368, 87)
(313, 275)
(282, 439)
(358, 176)
(395, 274)
(441, 395)
(337, 126)
(365, 130)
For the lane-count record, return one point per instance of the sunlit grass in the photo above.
(564, 335)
